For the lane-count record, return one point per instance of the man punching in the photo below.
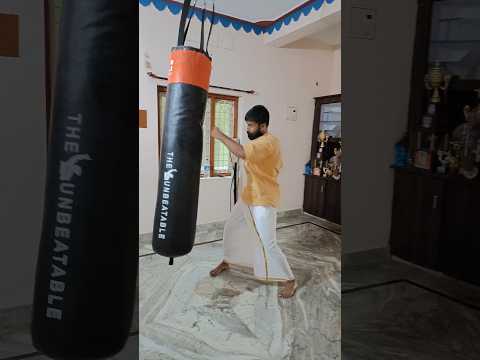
(250, 233)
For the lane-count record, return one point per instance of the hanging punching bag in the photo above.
(181, 154)
(87, 263)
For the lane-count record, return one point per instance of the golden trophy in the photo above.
(322, 136)
(436, 79)
(322, 139)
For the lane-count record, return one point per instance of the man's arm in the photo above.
(234, 147)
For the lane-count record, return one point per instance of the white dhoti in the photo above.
(250, 240)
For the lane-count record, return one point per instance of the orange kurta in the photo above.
(263, 162)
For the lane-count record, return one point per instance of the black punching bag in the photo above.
(181, 154)
(87, 263)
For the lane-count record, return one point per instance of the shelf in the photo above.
(431, 130)
(422, 172)
(322, 178)
(454, 42)
(448, 54)
(465, 84)
(460, 20)
(456, 3)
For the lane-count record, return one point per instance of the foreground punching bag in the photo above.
(87, 263)
(181, 154)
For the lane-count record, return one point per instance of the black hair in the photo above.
(258, 114)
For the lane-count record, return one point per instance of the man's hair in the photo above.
(258, 114)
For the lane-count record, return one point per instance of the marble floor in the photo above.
(394, 310)
(17, 346)
(212, 232)
(187, 315)
(129, 352)
(16, 343)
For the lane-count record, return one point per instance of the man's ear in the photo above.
(263, 128)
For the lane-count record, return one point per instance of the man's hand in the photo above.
(231, 144)
(216, 133)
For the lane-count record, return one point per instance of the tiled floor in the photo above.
(130, 351)
(18, 347)
(187, 315)
(214, 231)
(429, 316)
(15, 341)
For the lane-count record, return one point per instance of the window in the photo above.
(221, 111)
(331, 119)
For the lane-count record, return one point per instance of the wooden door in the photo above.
(460, 246)
(417, 218)
(332, 201)
(307, 195)
(429, 221)
(472, 240)
(403, 216)
(320, 195)
(314, 195)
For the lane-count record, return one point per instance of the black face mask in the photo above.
(255, 135)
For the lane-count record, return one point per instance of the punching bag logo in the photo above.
(61, 236)
(168, 175)
(69, 168)
(167, 178)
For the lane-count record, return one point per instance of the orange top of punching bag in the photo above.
(190, 67)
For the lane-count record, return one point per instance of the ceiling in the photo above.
(324, 34)
(331, 36)
(252, 10)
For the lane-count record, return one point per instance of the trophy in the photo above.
(322, 136)
(436, 80)
(322, 139)
(443, 159)
(455, 156)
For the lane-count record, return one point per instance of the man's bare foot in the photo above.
(289, 289)
(219, 269)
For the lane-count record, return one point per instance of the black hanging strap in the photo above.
(183, 20)
(211, 27)
(202, 38)
(189, 21)
(235, 175)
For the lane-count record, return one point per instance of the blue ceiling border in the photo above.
(175, 8)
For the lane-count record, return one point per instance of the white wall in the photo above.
(336, 85)
(326, 16)
(376, 79)
(281, 77)
(22, 155)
